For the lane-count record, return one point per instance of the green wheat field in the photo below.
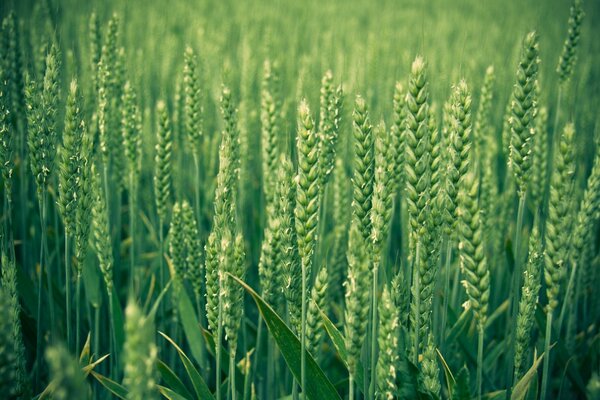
(313, 199)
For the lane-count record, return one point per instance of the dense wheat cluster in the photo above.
(299, 200)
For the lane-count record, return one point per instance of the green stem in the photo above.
(350, 387)
(374, 325)
(568, 300)
(38, 340)
(258, 346)
(480, 362)
(132, 211)
(557, 114)
(232, 372)
(303, 329)
(516, 286)
(546, 368)
(77, 308)
(218, 345)
(68, 290)
(197, 187)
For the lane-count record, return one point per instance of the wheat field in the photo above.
(300, 200)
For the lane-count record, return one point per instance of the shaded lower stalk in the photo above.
(232, 372)
(480, 361)
(77, 307)
(546, 368)
(68, 290)
(132, 211)
(38, 339)
(197, 192)
(350, 387)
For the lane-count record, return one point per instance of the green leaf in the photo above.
(462, 390)
(92, 283)
(191, 327)
(200, 387)
(340, 345)
(117, 316)
(520, 389)
(112, 386)
(173, 380)
(169, 394)
(450, 381)
(320, 388)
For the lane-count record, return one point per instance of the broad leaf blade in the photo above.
(200, 387)
(173, 380)
(320, 388)
(111, 385)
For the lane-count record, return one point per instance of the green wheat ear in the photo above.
(357, 297)
(6, 138)
(70, 161)
(387, 363)
(14, 382)
(140, 354)
(523, 111)
(558, 224)
(67, 377)
(329, 123)
(568, 57)
(162, 162)
(363, 175)
(529, 296)
(314, 321)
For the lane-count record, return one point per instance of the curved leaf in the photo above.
(320, 387)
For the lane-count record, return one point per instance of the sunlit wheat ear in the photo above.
(482, 126)
(101, 230)
(192, 99)
(398, 136)
(329, 123)
(314, 320)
